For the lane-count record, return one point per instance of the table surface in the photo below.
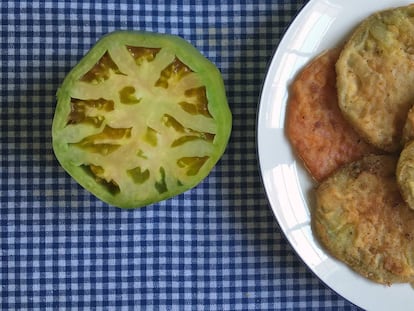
(215, 247)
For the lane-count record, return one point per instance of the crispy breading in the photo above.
(375, 76)
(405, 165)
(408, 130)
(405, 173)
(361, 219)
(314, 124)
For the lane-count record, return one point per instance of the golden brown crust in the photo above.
(375, 75)
(405, 173)
(315, 126)
(361, 219)
(408, 130)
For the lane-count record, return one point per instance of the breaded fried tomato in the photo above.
(361, 219)
(405, 173)
(319, 134)
(375, 76)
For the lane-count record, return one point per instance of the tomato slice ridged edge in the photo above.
(191, 57)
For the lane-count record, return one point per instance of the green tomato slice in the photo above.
(142, 117)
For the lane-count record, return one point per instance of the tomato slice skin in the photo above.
(143, 117)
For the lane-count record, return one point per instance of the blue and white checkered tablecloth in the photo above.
(216, 247)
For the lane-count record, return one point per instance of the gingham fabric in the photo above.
(216, 247)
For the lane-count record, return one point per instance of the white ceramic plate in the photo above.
(320, 25)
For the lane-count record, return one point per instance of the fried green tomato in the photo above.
(375, 75)
(141, 118)
(362, 220)
(408, 130)
(405, 173)
(318, 132)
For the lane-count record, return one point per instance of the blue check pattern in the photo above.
(215, 247)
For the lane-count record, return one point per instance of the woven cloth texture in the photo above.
(215, 247)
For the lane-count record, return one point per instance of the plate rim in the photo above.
(264, 83)
(274, 52)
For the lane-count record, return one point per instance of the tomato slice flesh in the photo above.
(139, 124)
